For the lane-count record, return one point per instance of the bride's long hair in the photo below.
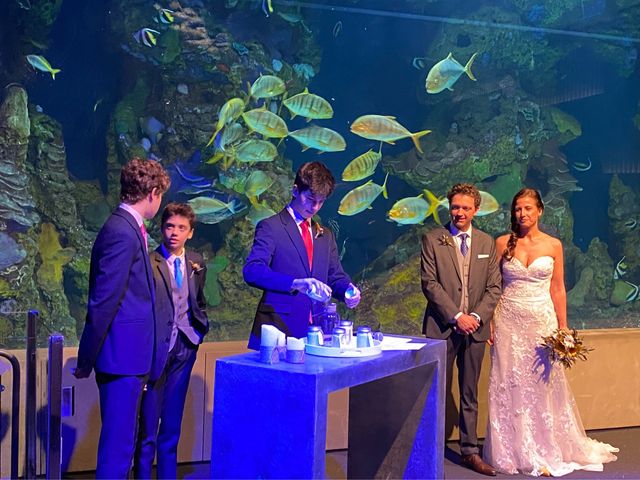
(515, 226)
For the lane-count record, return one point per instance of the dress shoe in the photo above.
(475, 463)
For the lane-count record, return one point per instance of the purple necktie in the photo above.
(464, 248)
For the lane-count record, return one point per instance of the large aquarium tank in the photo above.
(232, 96)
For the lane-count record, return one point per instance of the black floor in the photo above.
(627, 466)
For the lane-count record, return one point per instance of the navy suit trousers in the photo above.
(119, 406)
(163, 403)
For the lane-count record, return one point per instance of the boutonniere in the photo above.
(319, 230)
(195, 267)
(445, 240)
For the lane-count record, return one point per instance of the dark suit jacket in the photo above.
(278, 256)
(118, 336)
(164, 303)
(442, 284)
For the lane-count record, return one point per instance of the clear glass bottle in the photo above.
(329, 318)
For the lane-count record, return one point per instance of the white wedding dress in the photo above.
(534, 425)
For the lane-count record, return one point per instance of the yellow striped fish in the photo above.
(205, 205)
(257, 183)
(255, 150)
(361, 198)
(229, 112)
(362, 166)
(265, 123)
(413, 210)
(267, 86)
(309, 106)
(320, 138)
(384, 128)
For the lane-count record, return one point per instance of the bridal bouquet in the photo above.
(565, 346)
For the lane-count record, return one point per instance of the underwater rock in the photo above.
(566, 124)
(624, 219)
(16, 204)
(577, 295)
(11, 253)
(304, 70)
(53, 257)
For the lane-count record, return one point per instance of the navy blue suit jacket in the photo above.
(118, 336)
(164, 303)
(278, 256)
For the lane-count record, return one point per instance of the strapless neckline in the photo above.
(534, 261)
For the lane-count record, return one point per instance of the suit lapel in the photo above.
(191, 280)
(294, 234)
(160, 263)
(320, 249)
(453, 253)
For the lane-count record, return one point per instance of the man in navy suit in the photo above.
(181, 323)
(118, 337)
(292, 255)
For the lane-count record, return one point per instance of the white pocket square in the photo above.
(483, 255)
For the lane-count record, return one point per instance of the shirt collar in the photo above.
(455, 232)
(128, 208)
(296, 217)
(169, 257)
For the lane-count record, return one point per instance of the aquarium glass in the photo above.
(534, 93)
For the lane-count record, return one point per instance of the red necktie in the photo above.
(143, 231)
(306, 238)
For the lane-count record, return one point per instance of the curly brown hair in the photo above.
(139, 177)
(465, 189)
(315, 176)
(182, 209)
(515, 226)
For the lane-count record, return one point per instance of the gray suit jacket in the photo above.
(442, 284)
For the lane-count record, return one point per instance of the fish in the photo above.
(361, 198)
(343, 250)
(414, 210)
(337, 28)
(40, 63)
(255, 150)
(229, 112)
(309, 106)
(257, 183)
(447, 72)
(147, 36)
(386, 129)
(97, 104)
(165, 16)
(320, 138)
(267, 86)
(259, 212)
(631, 224)
(582, 166)
(419, 63)
(206, 205)
(221, 215)
(362, 166)
(488, 204)
(265, 123)
(634, 294)
(621, 269)
(224, 141)
(267, 8)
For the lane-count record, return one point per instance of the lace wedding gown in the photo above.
(534, 425)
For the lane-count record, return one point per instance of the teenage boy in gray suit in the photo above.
(181, 323)
(462, 282)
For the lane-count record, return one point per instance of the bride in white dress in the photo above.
(534, 425)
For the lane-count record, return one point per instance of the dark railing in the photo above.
(54, 407)
(31, 412)
(15, 411)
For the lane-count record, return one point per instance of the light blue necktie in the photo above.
(178, 272)
(464, 248)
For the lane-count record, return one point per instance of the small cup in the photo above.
(295, 356)
(348, 328)
(269, 355)
(338, 339)
(315, 335)
(364, 339)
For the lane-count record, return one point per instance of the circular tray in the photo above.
(349, 351)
